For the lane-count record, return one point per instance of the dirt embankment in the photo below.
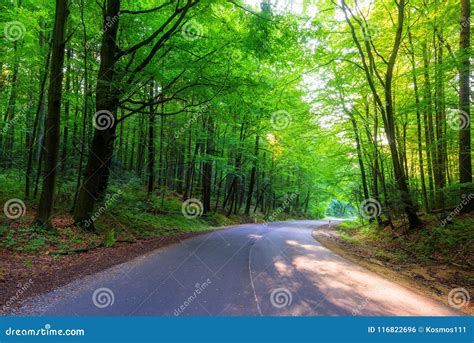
(431, 278)
(42, 273)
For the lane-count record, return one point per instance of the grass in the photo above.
(452, 244)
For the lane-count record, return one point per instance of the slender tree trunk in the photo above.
(428, 118)
(120, 143)
(132, 150)
(207, 166)
(252, 177)
(85, 108)
(465, 162)
(418, 123)
(66, 111)
(440, 169)
(359, 156)
(161, 177)
(54, 115)
(141, 146)
(10, 113)
(410, 209)
(31, 142)
(151, 144)
(187, 183)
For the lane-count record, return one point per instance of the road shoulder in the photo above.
(434, 280)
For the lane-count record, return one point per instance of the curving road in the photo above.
(251, 269)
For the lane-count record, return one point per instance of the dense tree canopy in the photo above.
(246, 106)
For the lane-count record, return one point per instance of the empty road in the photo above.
(254, 269)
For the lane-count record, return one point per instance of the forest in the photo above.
(143, 118)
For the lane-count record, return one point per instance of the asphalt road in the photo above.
(251, 269)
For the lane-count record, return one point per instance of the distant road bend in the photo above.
(253, 269)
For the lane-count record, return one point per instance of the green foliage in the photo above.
(451, 243)
(294, 82)
(110, 239)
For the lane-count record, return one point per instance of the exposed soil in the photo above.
(20, 281)
(433, 279)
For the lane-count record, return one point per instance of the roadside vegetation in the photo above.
(433, 243)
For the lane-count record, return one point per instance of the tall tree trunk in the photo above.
(207, 166)
(418, 123)
(428, 119)
(132, 150)
(252, 177)
(66, 111)
(400, 176)
(54, 115)
(189, 169)
(151, 144)
(31, 142)
(359, 155)
(10, 113)
(161, 176)
(141, 146)
(85, 108)
(376, 169)
(440, 169)
(465, 162)
(100, 154)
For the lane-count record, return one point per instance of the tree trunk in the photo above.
(10, 113)
(85, 108)
(465, 162)
(252, 178)
(151, 145)
(400, 176)
(207, 166)
(31, 142)
(101, 150)
(428, 119)
(66, 111)
(418, 123)
(53, 119)
(440, 170)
